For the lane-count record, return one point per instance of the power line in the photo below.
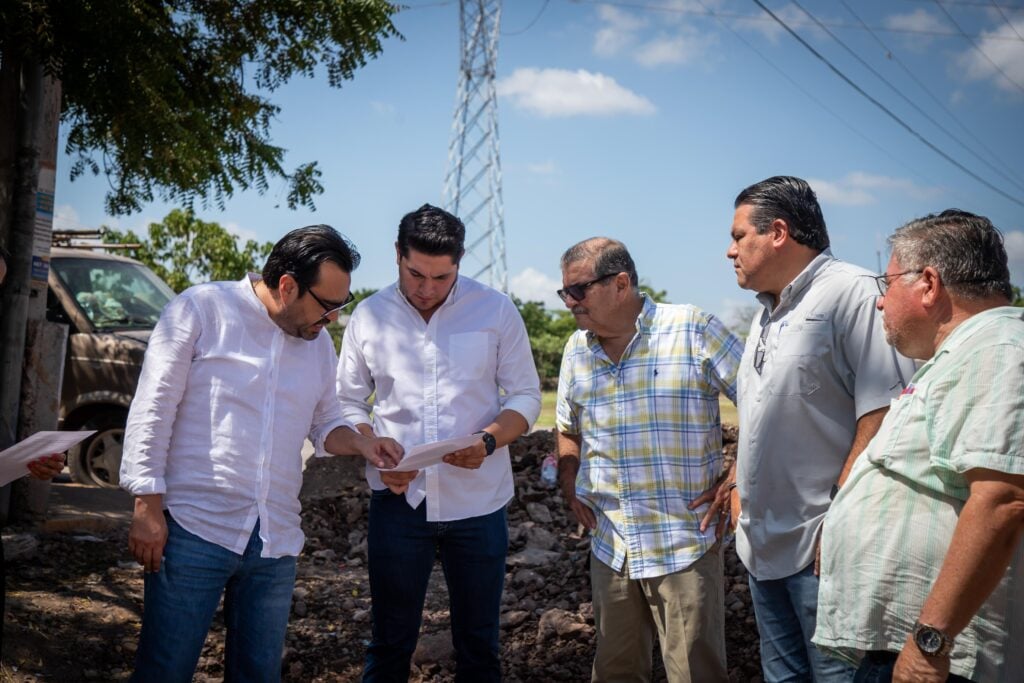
(814, 99)
(906, 99)
(1007, 20)
(881, 106)
(978, 47)
(892, 56)
(707, 12)
(532, 22)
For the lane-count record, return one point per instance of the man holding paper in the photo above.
(236, 376)
(442, 357)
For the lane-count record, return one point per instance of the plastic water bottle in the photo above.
(549, 471)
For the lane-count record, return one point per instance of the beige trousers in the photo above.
(686, 610)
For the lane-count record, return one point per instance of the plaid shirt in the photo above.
(651, 435)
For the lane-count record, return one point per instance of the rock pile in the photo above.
(547, 614)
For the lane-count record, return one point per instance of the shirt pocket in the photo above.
(469, 355)
(802, 351)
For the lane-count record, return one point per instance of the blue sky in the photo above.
(642, 120)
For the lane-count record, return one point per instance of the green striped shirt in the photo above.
(888, 531)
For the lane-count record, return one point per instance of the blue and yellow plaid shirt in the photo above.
(651, 434)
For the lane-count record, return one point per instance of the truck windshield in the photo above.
(114, 294)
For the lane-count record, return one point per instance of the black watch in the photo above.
(489, 441)
(931, 641)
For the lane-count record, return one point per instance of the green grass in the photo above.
(547, 411)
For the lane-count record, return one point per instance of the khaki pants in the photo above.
(686, 609)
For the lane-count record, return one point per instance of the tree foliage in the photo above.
(548, 332)
(170, 96)
(1018, 297)
(184, 250)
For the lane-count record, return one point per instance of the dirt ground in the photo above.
(74, 599)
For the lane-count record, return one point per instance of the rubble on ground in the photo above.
(74, 609)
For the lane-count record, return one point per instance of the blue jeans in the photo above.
(401, 547)
(181, 598)
(876, 667)
(786, 611)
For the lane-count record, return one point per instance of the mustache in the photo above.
(575, 310)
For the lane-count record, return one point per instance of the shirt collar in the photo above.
(967, 329)
(800, 282)
(644, 321)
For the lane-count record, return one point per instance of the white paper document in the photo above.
(13, 460)
(428, 454)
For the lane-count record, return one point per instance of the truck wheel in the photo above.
(97, 460)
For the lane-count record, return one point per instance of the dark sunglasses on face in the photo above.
(579, 291)
(331, 307)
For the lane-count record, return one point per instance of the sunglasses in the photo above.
(331, 307)
(579, 292)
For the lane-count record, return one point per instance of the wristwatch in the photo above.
(489, 442)
(931, 641)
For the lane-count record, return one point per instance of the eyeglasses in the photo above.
(331, 307)
(883, 280)
(579, 292)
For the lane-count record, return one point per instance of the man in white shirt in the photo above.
(236, 376)
(442, 356)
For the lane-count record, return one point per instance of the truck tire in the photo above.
(97, 460)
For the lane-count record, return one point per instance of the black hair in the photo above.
(301, 251)
(791, 200)
(432, 231)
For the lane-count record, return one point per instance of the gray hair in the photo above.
(966, 249)
(610, 257)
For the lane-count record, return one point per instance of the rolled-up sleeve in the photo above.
(517, 373)
(165, 372)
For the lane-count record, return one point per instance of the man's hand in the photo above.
(148, 533)
(398, 482)
(471, 457)
(567, 483)
(913, 667)
(47, 467)
(720, 497)
(380, 451)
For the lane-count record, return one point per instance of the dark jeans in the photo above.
(402, 546)
(876, 667)
(181, 598)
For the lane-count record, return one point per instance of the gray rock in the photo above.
(532, 557)
(433, 648)
(539, 513)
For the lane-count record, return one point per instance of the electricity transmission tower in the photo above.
(472, 185)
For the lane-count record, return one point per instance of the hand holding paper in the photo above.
(432, 453)
(14, 460)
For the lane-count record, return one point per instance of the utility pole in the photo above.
(472, 186)
(31, 349)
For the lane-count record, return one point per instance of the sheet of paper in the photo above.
(428, 454)
(13, 460)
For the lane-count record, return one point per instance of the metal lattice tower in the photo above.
(472, 185)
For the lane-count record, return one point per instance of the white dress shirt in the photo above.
(438, 380)
(225, 400)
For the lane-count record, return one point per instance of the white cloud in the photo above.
(242, 235)
(860, 189)
(618, 32)
(1014, 242)
(686, 46)
(920, 22)
(543, 168)
(676, 41)
(1004, 49)
(562, 93)
(383, 108)
(66, 218)
(533, 285)
(771, 30)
